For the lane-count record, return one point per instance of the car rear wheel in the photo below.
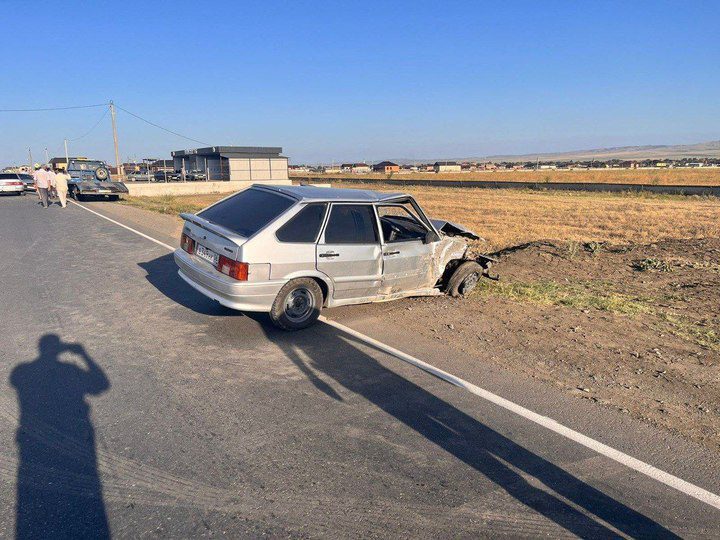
(75, 194)
(297, 305)
(464, 279)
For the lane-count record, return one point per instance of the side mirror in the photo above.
(429, 238)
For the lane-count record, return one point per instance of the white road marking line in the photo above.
(546, 422)
(163, 244)
(661, 476)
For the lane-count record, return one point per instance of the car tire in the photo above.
(75, 194)
(464, 279)
(297, 305)
(113, 197)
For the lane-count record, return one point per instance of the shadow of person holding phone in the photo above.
(59, 493)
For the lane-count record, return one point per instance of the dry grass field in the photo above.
(508, 217)
(704, 176)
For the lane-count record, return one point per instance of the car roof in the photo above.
(311, 193)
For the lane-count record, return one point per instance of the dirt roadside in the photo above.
(600, 324)
(631, 327)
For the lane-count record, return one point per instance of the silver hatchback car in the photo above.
(291, 250)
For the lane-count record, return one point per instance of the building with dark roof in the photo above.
(446, 166)
(386, 167)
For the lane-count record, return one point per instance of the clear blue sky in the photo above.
(361, 80)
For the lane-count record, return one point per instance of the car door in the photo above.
(407, 256)
(349, 251)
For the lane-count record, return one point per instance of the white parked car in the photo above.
(12, 183)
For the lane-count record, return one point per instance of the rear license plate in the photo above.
(103, 191)
(206, 254)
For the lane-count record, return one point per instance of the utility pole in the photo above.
(47, 156)
(31, 161)
(115, 140)
(67, 159)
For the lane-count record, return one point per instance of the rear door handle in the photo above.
(391, 253)
(329, 255)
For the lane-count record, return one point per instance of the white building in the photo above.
(446, 166)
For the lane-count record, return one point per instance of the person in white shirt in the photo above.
(61, 186)
(42, 184)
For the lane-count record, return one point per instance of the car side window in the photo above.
(303, 226)
(351, 224)
(399, 224)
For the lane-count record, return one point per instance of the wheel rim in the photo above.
(469, 283)
(299, 305)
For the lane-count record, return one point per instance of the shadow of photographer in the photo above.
(59, 492)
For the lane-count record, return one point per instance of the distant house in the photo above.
(446, 166)
(61, 162)
(386, 167)
(162, 165)
(355, 168)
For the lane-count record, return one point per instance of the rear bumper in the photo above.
(12, 189)
(243, 296)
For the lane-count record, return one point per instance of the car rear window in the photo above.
(351, 224)
(248, 211)
(8, 176)
(303, 226)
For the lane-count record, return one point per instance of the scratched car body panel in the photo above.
(339, 246)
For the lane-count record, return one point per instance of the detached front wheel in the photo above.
(297, 305)
(465, 278)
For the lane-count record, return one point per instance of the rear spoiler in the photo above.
(227, 234)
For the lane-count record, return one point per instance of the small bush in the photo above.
(593, 247)
(652, 264)
(573, 248)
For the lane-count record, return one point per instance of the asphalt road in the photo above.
(132, 406)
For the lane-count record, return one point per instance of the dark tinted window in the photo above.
(351, 224)
(8, 176)
(248, 211)
(304, 226)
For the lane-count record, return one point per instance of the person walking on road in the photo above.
(61, 186)
(51, 180)
(42, 184)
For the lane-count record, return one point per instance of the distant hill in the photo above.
(700, 150)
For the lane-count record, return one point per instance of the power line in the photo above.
(55, 108)
(160, 127)
(96, 124)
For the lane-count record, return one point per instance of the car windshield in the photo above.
(248, 211)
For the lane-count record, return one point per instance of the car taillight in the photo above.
(16, 184)
(187, 243)
(234, 269)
